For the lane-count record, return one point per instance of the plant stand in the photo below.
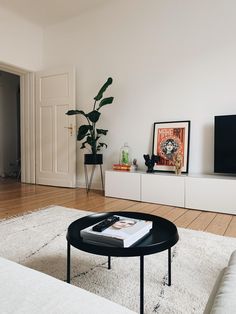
(88, 180)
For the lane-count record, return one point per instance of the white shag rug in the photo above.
(38, 240)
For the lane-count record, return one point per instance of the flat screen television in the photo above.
(225, 144)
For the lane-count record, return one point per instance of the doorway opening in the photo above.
(10, 140)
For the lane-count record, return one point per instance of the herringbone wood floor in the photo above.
(17, 198)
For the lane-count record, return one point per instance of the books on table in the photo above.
(123, 233)
(121, 167)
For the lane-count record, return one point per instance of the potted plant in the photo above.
(88, 132)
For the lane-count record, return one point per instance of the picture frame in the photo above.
(170, 139)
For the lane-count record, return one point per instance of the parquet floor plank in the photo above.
(218, 224)
(231, 230)
(187, 218)
(202, 221)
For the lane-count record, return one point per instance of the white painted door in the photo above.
(55, 131)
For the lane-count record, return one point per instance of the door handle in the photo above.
(69, 128)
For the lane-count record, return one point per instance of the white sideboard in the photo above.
(205, 192)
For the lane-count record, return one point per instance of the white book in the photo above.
(123, 233)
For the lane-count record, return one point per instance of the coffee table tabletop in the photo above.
(162, 237)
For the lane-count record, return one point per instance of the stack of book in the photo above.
(122, 233)
(121, 167)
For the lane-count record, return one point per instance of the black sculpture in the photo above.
(150, 162)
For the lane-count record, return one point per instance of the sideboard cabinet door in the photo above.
(165, 189)
(122, 185)
(211, 193)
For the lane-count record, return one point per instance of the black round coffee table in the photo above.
(162, 237)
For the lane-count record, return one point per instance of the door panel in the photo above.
(54, 86)
(55, 131)
(62, 140)
(46, 139)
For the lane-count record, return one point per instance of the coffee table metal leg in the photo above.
(169, 267)
(141, 284)
(68, 262)
(109, 262)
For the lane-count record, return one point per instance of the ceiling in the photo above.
(48, 12)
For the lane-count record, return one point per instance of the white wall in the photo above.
(9, 85)
(21, 42)
(170, 60)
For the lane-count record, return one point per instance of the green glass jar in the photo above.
(125, 155)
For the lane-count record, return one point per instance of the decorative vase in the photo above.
(125, 155)
(93, 159)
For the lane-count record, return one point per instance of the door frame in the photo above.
(27, 120)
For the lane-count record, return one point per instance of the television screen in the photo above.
(225, 144)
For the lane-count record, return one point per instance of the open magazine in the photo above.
(123, 233)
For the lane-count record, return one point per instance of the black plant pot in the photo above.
(93, 159)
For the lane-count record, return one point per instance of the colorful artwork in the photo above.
(171, 139)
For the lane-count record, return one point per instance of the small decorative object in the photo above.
(125, 155)
(134, 166)
(169, 140)
(89, 132)
(150, 162)
(177, 160)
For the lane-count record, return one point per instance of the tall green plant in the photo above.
(88, 132)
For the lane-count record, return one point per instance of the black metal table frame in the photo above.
(163, 236)
(141, 272)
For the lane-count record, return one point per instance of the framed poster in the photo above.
(171, 140)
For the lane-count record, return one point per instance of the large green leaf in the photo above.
(105, 101)
(93, 116)
(103, 89)
(90, 140)
(101, 131)
(73, 112)
(102, 145)
(83, 145)
(82, 132)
